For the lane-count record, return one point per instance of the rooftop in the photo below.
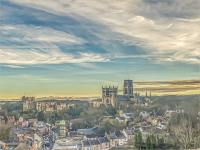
(120, 135)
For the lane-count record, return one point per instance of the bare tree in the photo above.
(184, 134)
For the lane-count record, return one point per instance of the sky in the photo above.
(74, 47)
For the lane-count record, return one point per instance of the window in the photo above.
(107, 92)
(107, 100)
(88, 148)
(125, 90)
(112, 140)
(97, 146)
(130, 92)
(106, 144)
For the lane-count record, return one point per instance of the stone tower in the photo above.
(109, 95)
(28, 103)
(128, 88)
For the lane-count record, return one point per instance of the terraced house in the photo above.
(101, 143)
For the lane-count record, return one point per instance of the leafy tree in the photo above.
(148, 142)
(41, 116)
(136, 141)
(107, 126)
(139, 140)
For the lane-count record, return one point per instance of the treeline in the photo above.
(151, 142)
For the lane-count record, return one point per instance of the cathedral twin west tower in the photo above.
(110, 95)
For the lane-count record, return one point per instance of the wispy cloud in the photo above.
(173, 31)
(168, 86)
(167, 89)
(13, 66)
(175, 82)
(33, 57)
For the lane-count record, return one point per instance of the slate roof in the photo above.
(97, 100)
(130, 132)
(73, 133)
(86, 144)
(122, 98)
(94, 142)
(120, 135)
(136, 130)
(88, 131)
(55, 130)
(112, 136)
(94, 136)
(161, 112)
(103, 140)
(25, 131)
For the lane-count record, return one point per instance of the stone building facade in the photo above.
(109, 95)
(50, 106)
(28, 103)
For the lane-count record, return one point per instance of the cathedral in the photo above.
(110, 95)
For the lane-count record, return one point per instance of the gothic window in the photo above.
(126, 91)
(107, 100)
(107, 92)
(130, 92)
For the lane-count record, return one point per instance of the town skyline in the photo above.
(178, 87)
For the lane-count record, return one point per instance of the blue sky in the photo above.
(73, 48)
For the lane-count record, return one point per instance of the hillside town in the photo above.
(120, 127)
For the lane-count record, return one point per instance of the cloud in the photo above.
(175, 82)
(42, 46)
(13, 66)
(157, 27)
(166, 89)
(33, 35)
(32, 57)
(168, 86)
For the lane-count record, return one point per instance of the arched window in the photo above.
(107, 100)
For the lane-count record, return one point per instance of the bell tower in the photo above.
(128, 88)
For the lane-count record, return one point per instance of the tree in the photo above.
(107, 126)
(139, 140)
(184, 134)
(153, 141)
(136, 141)
(41, 116)
(148, 142)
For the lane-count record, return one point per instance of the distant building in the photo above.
(50, 105)
(10, 119)
(95, 103)
(71, 105)
(61, 106)
(28, 103)
(62, 129)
